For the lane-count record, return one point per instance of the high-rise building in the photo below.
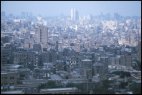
(139, 51)
(97, 68)
(126, 60)
(74, 14)
(42, 35)
(101, 70)
(86, 68)
(7, 54)
(26, 58)
(37, 47)
(9, 78)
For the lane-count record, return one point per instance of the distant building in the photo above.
(86, 67)
(6, 54)
(101, 70)
(37, 47)
(9, 79)
(60, 65)
(139, 51)
(112, 60)
(13, 92)
(33, 58)
(12, 74)
(126, 60)
(20, 57)
(26, 58)
(105, 61)
(117, 60)
(122, 60)
(97, 69)
(74, 14)
(42, 35)
(45, 57)
(72, 90)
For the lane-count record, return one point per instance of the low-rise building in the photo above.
(72, 90)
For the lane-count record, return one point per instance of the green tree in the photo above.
(135, 87)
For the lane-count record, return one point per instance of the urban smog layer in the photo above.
(93, 54)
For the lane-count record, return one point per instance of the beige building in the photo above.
(42, 35)
(9, 78)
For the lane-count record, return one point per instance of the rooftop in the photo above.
(13, 92)
(86, 60)
(59, 89)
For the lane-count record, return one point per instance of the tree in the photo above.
(49, 84)
(135, 87)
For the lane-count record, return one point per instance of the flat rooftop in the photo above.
(13, 92)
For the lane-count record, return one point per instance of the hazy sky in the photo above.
(55, 8)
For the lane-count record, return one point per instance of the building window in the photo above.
(5, 78)
(11, 77)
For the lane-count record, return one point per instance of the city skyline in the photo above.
(57, 8)
(70, 47)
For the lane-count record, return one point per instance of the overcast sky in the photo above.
(56, 8)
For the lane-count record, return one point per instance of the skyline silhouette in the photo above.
(56, 8)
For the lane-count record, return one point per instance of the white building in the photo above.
(74, 14)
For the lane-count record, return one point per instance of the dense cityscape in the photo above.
(93, 54)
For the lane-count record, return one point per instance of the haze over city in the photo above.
(56, 8)
(71, 47)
